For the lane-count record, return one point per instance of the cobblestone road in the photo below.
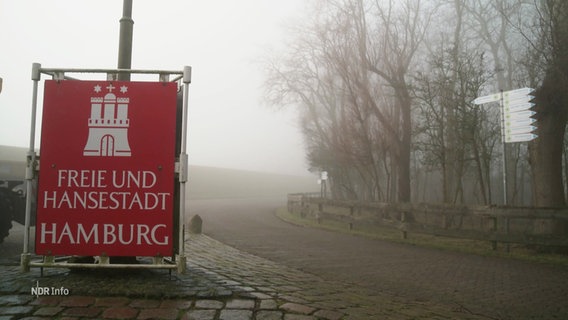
(221, 283)
(496, 287)
(309, 274)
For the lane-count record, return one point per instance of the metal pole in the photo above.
(125, 40)
(125, 62)
(504, 149)
(30, 170)
(183, 159)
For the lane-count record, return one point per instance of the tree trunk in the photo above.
(546, 161)
(546, 153)
(552, 111)
(405, 102)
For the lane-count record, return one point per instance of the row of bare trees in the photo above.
(385, 88)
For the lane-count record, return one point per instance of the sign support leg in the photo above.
(30, 168)
(183, 171)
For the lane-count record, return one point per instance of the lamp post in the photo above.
(125, 62)
(125, 40)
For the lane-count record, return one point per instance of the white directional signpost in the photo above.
(516, 116)
(517, 124)
(517, 121)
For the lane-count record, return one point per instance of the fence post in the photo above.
(508, 246)
(494, 242)
(403, 225)
(318, 214)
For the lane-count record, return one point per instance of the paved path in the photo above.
(310, 274)
(497, 288)
(221, 283)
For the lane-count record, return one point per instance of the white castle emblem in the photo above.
(108, 125)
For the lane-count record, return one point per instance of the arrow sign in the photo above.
(520, 137)
(486, 99)
(523, 97)
(517, 99)
(519, 122)
(518, 107)
(517, 96)
(519, 130)
(507, 96)
(519, 115)
(521, 91)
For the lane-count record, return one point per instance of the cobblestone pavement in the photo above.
(221, 283)
(499, 288)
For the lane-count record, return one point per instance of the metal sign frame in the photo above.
(178, 260)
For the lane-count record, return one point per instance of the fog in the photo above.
(223, 41)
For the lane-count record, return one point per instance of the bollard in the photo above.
(195, 224)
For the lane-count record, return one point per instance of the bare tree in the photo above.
(352, 73)
(389, 34)
(317, 75)
(451, 130)
(490, 23)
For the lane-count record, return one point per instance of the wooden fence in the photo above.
(523, 225)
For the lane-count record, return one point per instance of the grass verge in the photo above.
(482, 248)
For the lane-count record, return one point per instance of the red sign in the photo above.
(106, 180)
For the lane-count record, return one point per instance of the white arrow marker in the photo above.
(519, 130)
(517, 99)
(507, 95)
(521, 91)
(514, 97)
(521, 137)
(486, 99)
(519, 115)
(519, 122)
(518, 107)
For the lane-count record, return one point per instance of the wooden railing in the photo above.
(524, 225)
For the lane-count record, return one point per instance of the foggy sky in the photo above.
(222, 40)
